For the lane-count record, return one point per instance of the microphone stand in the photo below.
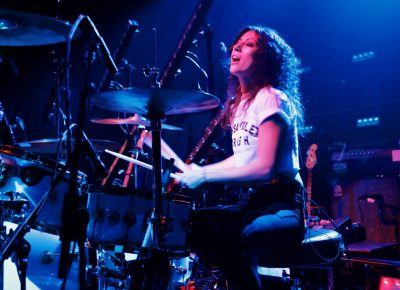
(74, 215)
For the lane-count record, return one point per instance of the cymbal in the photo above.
(28, 29)
(49, 146)
(133, 120)
(143, 100)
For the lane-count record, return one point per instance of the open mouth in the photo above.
(235, 58)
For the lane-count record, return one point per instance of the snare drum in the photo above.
(30, 175)
(123, 217)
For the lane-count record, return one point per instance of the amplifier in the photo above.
(365, 186)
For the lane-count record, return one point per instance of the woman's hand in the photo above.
(192, 177)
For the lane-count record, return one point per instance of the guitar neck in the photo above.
(309, 192)
(207, 132)
(185, 42)
(210, 128)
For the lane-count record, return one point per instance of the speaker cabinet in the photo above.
(372, 201)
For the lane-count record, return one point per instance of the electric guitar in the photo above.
(310, 163)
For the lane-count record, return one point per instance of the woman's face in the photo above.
(242, 54)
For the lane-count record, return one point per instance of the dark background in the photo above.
(325, 34)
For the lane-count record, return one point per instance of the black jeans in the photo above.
(232, 236)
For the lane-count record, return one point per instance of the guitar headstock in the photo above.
(311, 156)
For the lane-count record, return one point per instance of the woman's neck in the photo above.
(245, 84)
(245, 95)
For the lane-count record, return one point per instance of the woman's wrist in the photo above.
(203, 170)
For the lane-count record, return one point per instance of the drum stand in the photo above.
(152, 269)
(15, 242)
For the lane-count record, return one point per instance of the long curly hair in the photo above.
(275, 64)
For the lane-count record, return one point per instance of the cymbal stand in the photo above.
(152, 268)
(155, 122)
(156, 119)
(53, 108)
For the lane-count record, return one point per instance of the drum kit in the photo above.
(153, 228)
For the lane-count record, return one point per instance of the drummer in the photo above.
(264, 113)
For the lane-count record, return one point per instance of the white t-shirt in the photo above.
(245, 124)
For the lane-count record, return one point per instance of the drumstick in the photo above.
(134, 161)
(166, 152)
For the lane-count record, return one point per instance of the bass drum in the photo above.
(28, 177)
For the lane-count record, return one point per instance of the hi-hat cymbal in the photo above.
(133, 120)
(27, 29)
(143, 101)
(49, 146)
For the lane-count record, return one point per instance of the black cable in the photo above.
(336, 228)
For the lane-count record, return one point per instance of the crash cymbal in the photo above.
(49, 146)
(142, 101)
(27, 29)
(133, 120)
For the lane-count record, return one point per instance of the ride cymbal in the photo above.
(143, 101)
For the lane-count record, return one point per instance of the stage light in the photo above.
(306, 129)
(389, 283)
(365, 122)
(363, 56)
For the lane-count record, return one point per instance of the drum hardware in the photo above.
(153, 255)
(54, 110)
(132, 120)
(106, 81)
(6, 132)
(15, 242)
(155, 103)
(135, 144)
(74, 217)
(28, 29)
(136, 151)
(28, 176)
(88, 149)
(110, 269)
(14, 206)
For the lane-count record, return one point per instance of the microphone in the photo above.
(98, 166)
(104, 49)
